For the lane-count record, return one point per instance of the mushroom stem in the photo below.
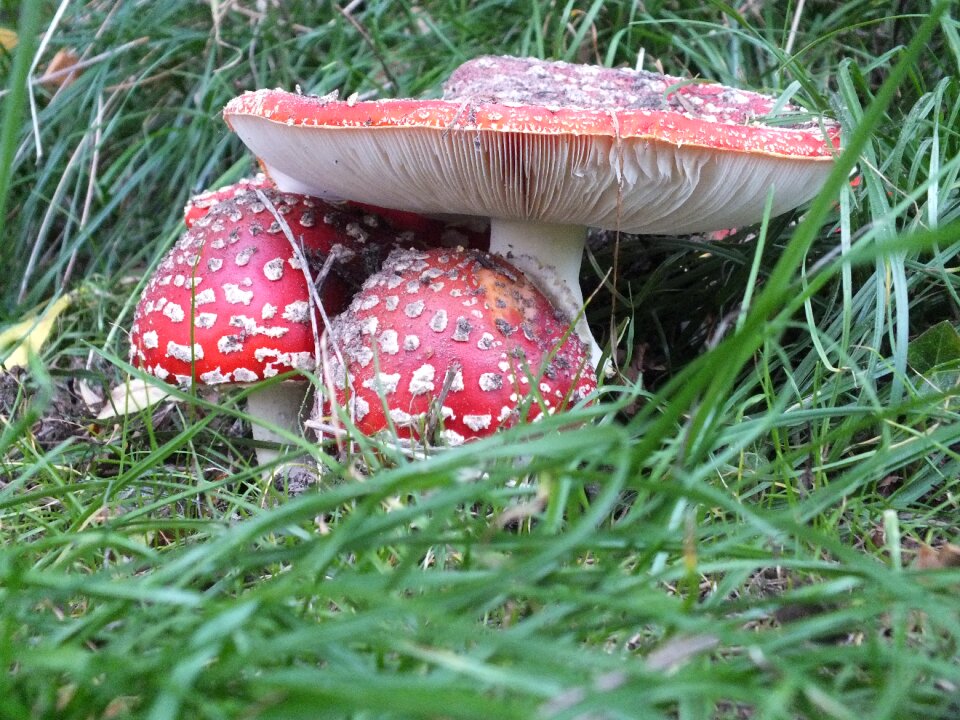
(549, 255)
(277, 406)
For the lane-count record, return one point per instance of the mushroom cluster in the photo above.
(442, 339)
(248, 289)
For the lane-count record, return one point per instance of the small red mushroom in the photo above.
(230, 301)
(459, 339)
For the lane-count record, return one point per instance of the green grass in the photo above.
(732, 531)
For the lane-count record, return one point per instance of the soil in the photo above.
(55, 411)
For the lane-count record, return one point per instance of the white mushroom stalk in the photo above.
(281, 406)
(546, 150)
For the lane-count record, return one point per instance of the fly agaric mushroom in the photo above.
(546, 149)
(230, 302)
(457, 338)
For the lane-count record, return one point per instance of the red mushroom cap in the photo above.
(229, 302)
(691, 111)
(642, 153)
(460, 318)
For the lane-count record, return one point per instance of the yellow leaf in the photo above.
(26, 337)
(130, 397)
(8, 38)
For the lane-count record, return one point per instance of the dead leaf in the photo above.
(91, 396)
(62, 69)
(8, 39)
(679, 650)
(132, 396)
(942, 556)
(27, 337)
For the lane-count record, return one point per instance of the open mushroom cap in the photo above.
(521, 139)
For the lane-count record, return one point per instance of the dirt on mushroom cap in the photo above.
(557, 84)
(200, 204)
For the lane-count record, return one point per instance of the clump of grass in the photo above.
(730, 532)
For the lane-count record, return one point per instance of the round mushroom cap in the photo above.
(229, 303)
(636, 151)
(457, 339)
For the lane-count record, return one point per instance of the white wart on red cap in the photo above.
(199, 205)
(229, 303)
(520, 141)
(463, 319)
